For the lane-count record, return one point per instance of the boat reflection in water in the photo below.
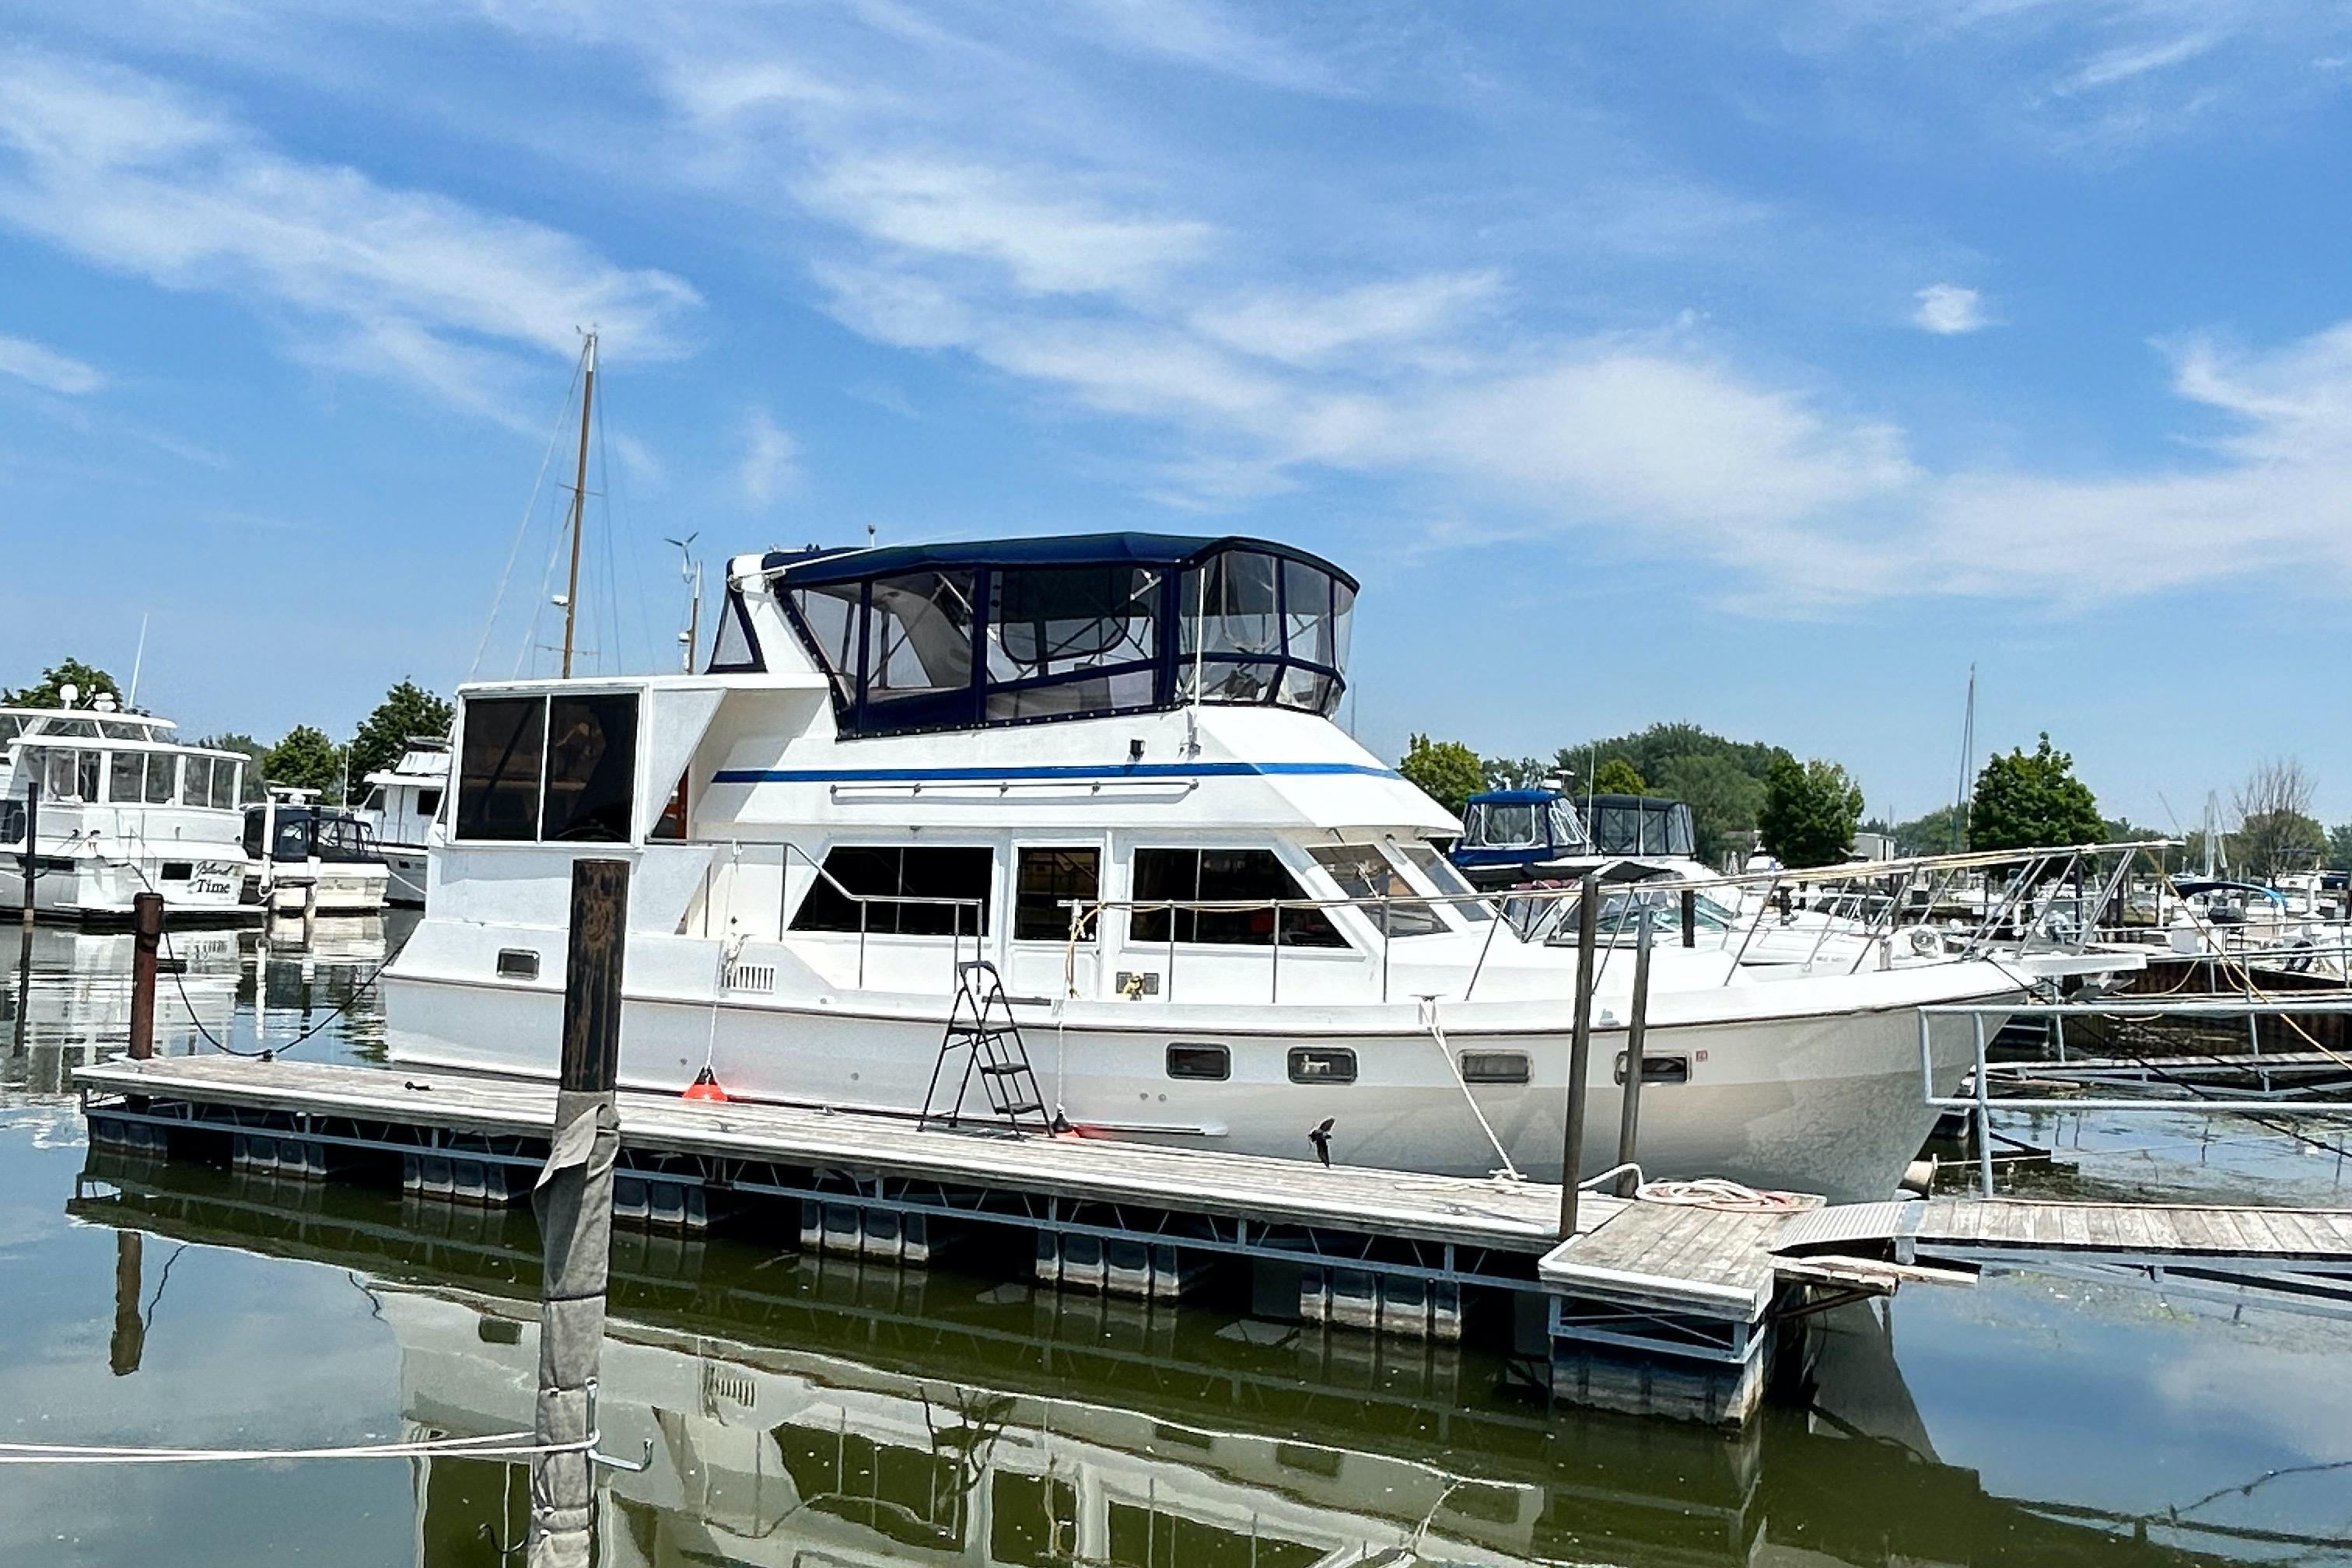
(67, 999)
(801, 1411)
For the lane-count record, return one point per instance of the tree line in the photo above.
(1807, 812)
(305, 757)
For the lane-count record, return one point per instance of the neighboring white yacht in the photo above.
(314, 858)
(901, 759)
(123, 809)
(403, 808)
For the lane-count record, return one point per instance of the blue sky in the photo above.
(1758, 364)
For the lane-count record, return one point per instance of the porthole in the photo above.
(1213, 1063)
(1322, 1063)
(518, 963)
(1494, 1066)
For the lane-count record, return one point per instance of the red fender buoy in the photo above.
(705, 1087)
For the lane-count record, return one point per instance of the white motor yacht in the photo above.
(1108, 767)
(403, 807)
(122, 809)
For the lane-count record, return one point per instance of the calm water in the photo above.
(814, 1415)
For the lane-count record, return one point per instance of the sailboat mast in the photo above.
(578, 500)
(1961, 802)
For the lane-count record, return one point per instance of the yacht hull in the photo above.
(201, 883)
(1826, 1100)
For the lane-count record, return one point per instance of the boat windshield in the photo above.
(1622, 912)
(1424, 858)
(943, 636)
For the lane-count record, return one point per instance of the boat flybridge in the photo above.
(118, 808)
(402, 808)
(1106, 765)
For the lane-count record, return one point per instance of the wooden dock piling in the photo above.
(147, 932)
(574, 1200)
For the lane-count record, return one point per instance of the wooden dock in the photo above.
(1655, 1307)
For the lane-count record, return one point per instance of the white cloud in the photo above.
(771, 462)
(959, 207)
(138, 177)
(1947, 307)
(47, 369)
(2138, 59)
(1299, 328)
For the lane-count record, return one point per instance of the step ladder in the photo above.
(980, 1023)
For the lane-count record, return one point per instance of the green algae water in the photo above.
(812, 1413)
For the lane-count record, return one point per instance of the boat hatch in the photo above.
(958, 636)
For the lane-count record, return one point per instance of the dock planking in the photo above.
(1521, 1216)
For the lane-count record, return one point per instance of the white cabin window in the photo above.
(1189, 876)
(163, 771)
(1424, 858)
(893, 890)
(126, 774)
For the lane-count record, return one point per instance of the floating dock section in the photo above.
(1653, 1308)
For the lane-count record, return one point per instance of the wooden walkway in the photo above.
(1519, 1216)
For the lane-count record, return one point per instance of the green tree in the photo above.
(406, 710)
(306, 759)
(2023, 800)
(86, 680)
(1615, 775)
(1809, 812)
(1723, 800)
(2276, 831)
(2339, 847)
(1447, 772)
(1940, 832)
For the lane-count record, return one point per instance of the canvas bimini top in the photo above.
(937, 636)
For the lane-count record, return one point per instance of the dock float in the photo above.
(1657, 1308)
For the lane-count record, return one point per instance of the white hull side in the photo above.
(1824, 1102)
(405, 885)
(101, 886)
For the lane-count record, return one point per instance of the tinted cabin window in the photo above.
(429, 803)
(498, 776)
(1048, 879)
(125, 773)
(1190, 875)
(885, 874)
(592, 769)
(1363, 872)
(160, 780)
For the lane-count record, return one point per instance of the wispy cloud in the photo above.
(45, 368)
(2116, 64)
(771, 462)
(1947, 309)
(142, 178)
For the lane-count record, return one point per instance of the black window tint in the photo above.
(1210, 1062)
(429, 803)
(1209, 874)
(518, 963)
(885, 876)
(1048, 879)
(1322, 1063)
(591, 768)
(498, 775)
